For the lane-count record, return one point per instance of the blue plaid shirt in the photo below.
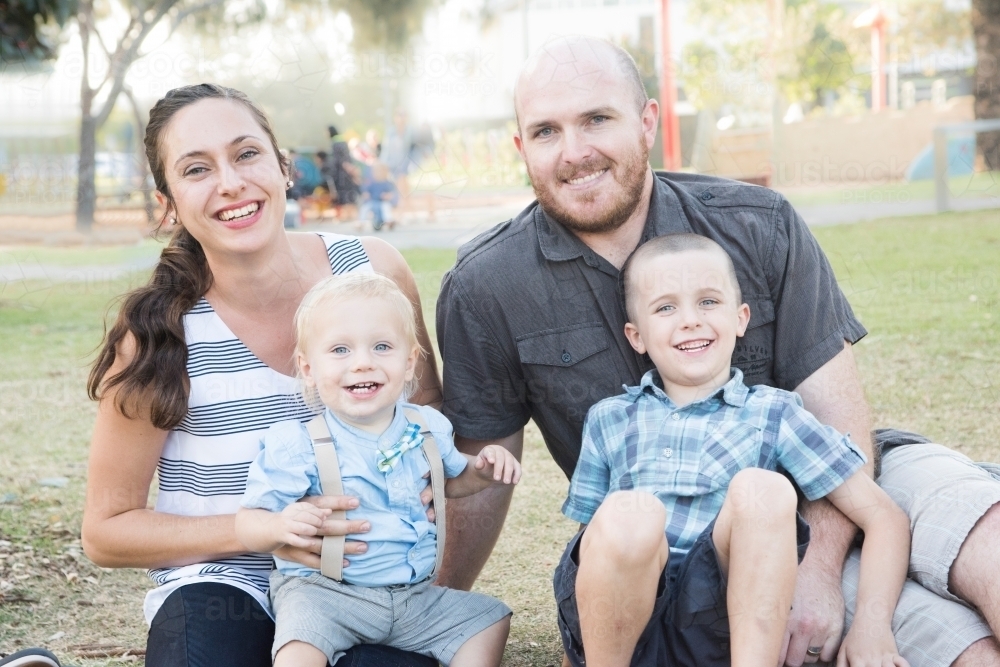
(687, 456)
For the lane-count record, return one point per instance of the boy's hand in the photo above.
(298, 522)
(869, 647)
(496, 463)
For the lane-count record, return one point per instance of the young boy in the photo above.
(689, 546)
(356, 351)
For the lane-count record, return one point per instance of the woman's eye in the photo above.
(194, 171)
(249, 153)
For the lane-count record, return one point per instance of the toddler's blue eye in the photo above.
(340, 349)
(382, 347)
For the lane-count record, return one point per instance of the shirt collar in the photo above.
(666, 216)
(733, 392)
(389, 437)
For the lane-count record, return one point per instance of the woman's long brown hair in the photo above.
(155, 382)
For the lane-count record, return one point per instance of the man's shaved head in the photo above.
(580, 61)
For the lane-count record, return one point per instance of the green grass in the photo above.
(930, 363)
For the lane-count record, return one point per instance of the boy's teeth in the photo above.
(693, 346)
(234, 213)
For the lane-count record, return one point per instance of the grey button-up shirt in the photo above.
(530, 321)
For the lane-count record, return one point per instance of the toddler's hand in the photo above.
(505, 467)
(870, 648)
(297, 522)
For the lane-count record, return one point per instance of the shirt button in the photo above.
(395, 483)
(566, 358)
(705, 196)
(675, 416)
(668, 452)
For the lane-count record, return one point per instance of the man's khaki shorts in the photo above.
(945, 494)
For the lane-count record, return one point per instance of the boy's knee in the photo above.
(628, 523)
(754, 492)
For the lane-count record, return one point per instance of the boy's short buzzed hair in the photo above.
(670, 244)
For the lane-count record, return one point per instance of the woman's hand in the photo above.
(869, 647)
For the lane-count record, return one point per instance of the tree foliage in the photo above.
(29, 28)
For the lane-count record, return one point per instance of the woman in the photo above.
(197, 366)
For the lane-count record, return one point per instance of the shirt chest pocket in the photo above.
(729, 448)
(564, 367)
(754, 351)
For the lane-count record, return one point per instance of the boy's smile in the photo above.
(358, 359)
(687, 319)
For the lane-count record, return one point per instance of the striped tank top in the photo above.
(234, 398)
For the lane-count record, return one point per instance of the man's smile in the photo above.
(586, 178)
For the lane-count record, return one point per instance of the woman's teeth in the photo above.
(587, 178)
(234, 213)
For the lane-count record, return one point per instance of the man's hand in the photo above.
(816, 619)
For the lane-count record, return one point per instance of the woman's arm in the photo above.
(118, 529)
(387, 261)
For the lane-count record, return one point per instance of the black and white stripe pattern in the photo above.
(203, 480)
(240, 416)
(222, 356)
(234, 398)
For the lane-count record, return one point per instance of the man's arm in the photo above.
(475, 522)
(835, 396)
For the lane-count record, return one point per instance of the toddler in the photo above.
(356, 352)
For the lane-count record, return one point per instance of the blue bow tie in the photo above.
(387, 459)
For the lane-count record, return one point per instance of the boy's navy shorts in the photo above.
(690, 622)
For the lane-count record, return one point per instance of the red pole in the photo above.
(878, 64)
(669, 126)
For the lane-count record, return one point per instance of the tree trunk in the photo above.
(86, 192)
(986, 30)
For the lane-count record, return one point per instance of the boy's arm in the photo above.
(884, 562)
(263, 531)
(493, 465)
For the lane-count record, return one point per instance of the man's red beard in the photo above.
(629, 174)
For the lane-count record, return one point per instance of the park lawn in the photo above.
(927, 289)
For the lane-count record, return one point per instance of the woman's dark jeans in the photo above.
(216, 625)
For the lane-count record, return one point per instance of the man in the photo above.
(530, 326)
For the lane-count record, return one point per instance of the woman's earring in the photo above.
(289, 184)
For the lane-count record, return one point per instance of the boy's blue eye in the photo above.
(382, 347)
(709, 302)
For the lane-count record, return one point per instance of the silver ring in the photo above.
(814, 650)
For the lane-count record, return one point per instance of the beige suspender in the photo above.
(332, 557)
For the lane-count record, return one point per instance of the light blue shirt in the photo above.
(402, 543)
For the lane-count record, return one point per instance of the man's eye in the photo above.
(599, 119)
(544, 132)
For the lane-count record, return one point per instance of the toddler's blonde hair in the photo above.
(343, 288)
